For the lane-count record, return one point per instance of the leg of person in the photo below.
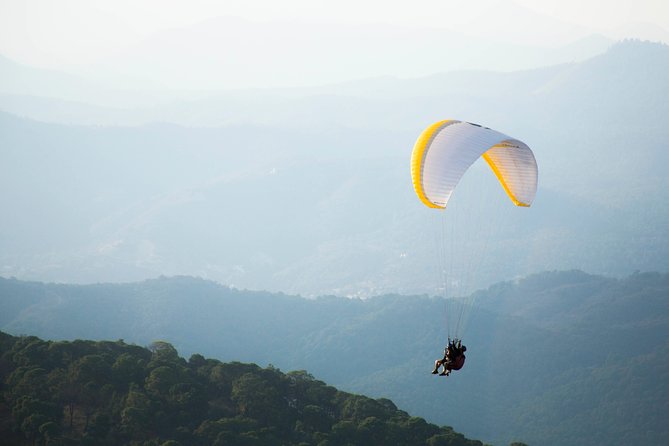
(447, 368)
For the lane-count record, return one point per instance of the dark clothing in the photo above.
(457, 363)
(454, 358)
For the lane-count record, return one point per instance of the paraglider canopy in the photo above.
(446, 149)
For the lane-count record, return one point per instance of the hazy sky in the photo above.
(73, 33)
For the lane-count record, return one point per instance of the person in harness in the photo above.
(454, 358)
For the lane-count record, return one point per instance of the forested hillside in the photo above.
(553, 358)
(112, 393)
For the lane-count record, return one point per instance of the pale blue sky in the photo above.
(75, 34)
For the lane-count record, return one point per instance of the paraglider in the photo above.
(454, 358)
(441, 156)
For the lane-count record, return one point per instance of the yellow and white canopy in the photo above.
(446, 149)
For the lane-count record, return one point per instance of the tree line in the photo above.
(111, 393)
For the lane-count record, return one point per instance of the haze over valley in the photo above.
(307, 193)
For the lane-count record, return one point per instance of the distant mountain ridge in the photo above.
(137, 202)
(556, 357)
(67, 102)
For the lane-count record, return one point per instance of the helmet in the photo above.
(464, 349)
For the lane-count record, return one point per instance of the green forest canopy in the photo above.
(110, 393)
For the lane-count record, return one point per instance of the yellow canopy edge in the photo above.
(417, 157)
(502, 181)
